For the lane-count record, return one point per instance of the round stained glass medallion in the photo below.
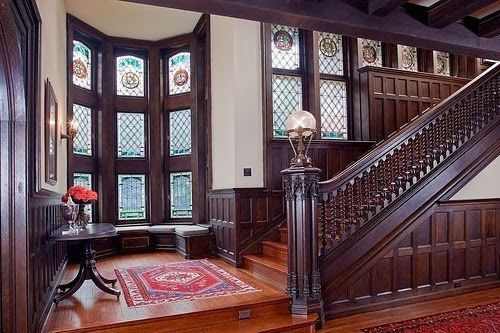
(130, 80)
(328, 47)
(283, 40)
(181, 77)
(407, 59)
(79, 69)
(369, 54)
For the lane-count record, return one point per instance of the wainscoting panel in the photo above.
(454, 249)
(46, 258)
(392, 98)
(241, 217)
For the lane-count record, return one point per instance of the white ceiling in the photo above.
(131, 20)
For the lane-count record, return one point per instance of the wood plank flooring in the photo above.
(89, 306)
(355, 323)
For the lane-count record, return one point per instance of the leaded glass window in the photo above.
(131, 135)
(82, 65)
(129, 76)
(179, 73)
(82, 143)
(287, 97)
(333, 107)
(408, 59)
(181, 204)
(131, 197)
(371, 52)
(331, 57)
(180, 132)
(441, 63)
(285, 47)
(84, 180)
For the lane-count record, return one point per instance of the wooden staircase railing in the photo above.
(351, 199)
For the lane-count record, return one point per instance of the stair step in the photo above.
(275, 249)
(281, 323)
(270, 270)
(284, 235)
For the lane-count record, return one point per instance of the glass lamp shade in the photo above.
(300, 121)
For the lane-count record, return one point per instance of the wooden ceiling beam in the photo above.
(339, 17)
(446, 12)
(383, 7)
(487, 27)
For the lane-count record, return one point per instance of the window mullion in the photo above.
(312, 77)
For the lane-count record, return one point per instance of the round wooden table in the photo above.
(88, 270)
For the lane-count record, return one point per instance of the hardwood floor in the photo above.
(90, 307)
(355, 323)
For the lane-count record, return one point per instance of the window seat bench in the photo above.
(191, 241)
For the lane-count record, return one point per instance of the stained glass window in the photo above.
(331, 58)
(179, 73)
(130, 76)
(85, 180)
(82, 65)
(131, 139)
(180, 132)
(408, 59)
(181, 204)
(371, 52)
(441, 63)
(82, 143)
(285, 47)
(131, 197)
(333, 106)
(287, 97)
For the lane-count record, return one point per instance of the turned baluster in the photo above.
(322, 201)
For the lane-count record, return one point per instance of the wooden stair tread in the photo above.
(281, 323)
(270, 262)
(276, 245)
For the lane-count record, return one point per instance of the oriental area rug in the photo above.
(478, 319)
(177, 281)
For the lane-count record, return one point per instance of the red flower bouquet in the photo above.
(80, 195)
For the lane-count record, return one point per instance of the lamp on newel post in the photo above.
(300, 182)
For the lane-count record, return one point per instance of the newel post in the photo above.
(303, 281)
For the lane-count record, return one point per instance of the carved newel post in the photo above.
(303, 285)
(300, 183)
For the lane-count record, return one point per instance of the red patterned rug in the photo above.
(479, 319)
(177, 281)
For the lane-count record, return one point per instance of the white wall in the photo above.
(486, 185)
(53, 67)
(236, 102)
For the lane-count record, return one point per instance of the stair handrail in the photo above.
(385, 147)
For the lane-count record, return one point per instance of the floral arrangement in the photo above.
(80, 195)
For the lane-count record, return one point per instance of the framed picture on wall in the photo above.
(50, 126)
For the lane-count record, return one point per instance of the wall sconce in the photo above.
(71, 130)
(300, 125)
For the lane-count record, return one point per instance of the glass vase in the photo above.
(82, 218)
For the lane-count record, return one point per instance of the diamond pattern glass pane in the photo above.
(82, 143)
(371, 52)
(179, 73)
(442, 63)
(131, 140)
(131, 197)
(130, 76)
(181, 205)
(408, 59)
(84, 180)
(180, 132)
(287, 97)
(82, 65)
(285, 47)
(331, 57)
(333, 106)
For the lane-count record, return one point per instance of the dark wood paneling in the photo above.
(46, 258)
(457, 248)
(392, 98)
(241, 217)
(330, 156)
